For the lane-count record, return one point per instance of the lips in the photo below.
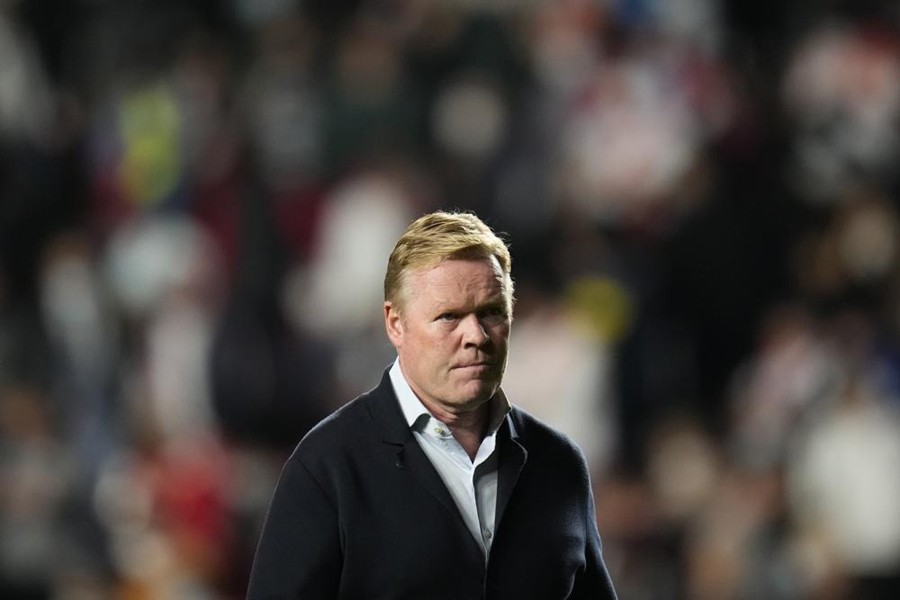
(474, 365)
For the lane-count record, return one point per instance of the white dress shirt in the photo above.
(472, 483)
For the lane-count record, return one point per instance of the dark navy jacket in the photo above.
(360, 513)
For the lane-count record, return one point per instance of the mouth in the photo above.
(475, 366)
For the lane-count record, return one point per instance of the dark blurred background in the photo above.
(197, 201)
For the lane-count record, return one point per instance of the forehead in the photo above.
(455, 280)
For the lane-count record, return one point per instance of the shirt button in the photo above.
(487, 534)
(439, 430)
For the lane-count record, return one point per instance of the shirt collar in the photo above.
(413, 409)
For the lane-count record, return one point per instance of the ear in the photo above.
(393, 324)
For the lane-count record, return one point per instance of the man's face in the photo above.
(452, 332)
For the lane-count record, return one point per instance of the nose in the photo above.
(474, 332)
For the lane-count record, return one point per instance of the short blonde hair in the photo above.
(440, 236)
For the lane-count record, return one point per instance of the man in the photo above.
(431, 486)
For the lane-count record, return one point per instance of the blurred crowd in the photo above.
(197, 202)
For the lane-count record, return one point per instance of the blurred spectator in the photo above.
(842, 475)
(78, 314)
(26, 100)
(373, 107)
(166, 505)
(852, 256)
(35, 476)
(792, 372)
(842, 94)
(563, 367)
(628, 142)
(269, 379)
(361, 219)
(284, 102)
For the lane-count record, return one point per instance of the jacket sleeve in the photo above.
(594, 582)
(299, 551)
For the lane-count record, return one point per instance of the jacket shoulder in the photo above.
(347, 418)
(536, 434)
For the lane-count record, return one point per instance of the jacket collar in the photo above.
(385, 410)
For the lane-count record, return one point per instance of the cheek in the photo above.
(500, 335)
(429, 353)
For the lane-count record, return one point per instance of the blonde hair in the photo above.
(440, 236)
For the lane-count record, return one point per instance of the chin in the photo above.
(483, 393)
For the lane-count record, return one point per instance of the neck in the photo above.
(468, 427)
(470, 441)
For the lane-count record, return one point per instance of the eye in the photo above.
(447, 317)
(494, 313)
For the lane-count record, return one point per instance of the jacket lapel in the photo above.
(408, 455)
(512, 459)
